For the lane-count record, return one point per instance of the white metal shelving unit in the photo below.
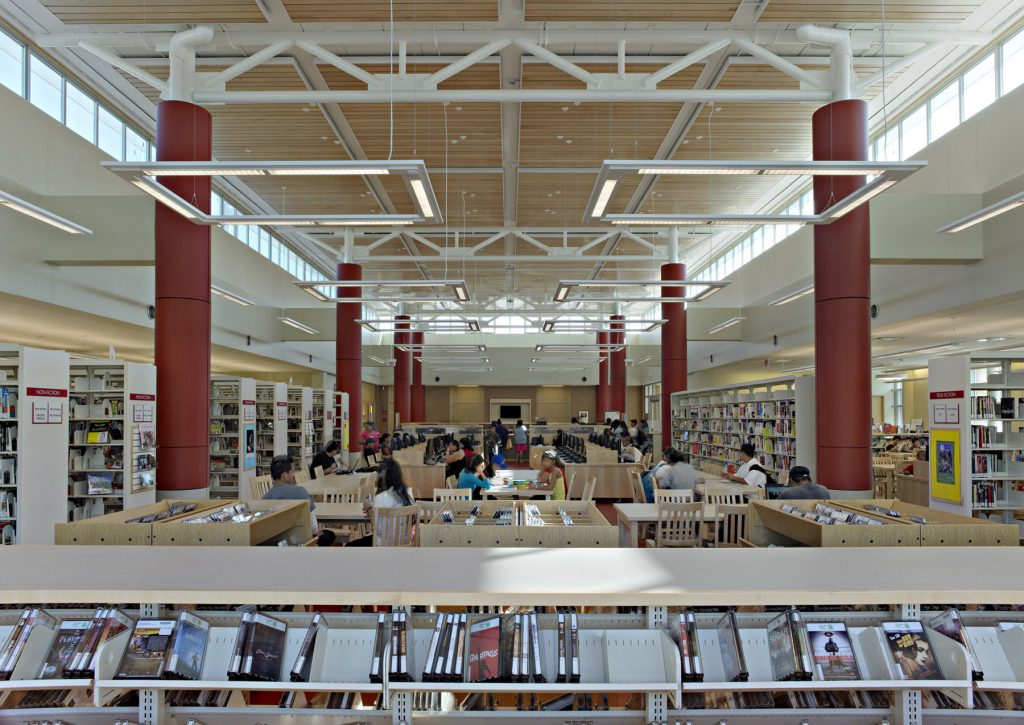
(271, 424)
(300, 426)
(233, 436)
(777, 416)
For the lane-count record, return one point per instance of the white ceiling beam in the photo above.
(686, 61)
(909, 59)
(129, 68)
(539, 258)
(465, 62)
(564, 65)
(246, 64)
(533, 242)
(487, 242)
(778, 62)
(641, 241)
(346, 66)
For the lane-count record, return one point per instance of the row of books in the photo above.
(9, 437)
(987, 463)
(990, 494)
(791, 699)
(779, 409)
(989, 406)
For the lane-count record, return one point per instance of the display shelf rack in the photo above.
(342, 426)
(776, 416)
(225, 437)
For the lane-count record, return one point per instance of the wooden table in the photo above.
(340, 512)
(632, 515)
(317, 486)
(723, 486)
(513, 492)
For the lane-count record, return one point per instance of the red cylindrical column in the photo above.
(348, 351)
(673, 346)
(603, 401)
(842, 301)
(617, 364)
(418, 405)
(403, 370)
(184, 132)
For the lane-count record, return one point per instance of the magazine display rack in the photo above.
(588, 528)
(619, 653)
(114, 530)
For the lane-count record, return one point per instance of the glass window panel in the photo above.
(264, 242)
(914, 130)
(134, 146)
(80, 112)
(152, 152)
(890, 144)
(45, 88)
(980, 85)
(216, 204)
(944, 108)
(12, 64)
(111, 134)
(275, 250)
(757, 244)
(1013, 62)
(769, 236)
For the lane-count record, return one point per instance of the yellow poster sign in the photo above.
(945, 465)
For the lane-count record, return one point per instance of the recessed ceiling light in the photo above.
(887, 338)
(991, 339)
(568, 140)
(559, 137)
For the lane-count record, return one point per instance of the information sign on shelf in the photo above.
(282, 410)
(945, 407)
(48, 406)
(248, 410)
(142, 407)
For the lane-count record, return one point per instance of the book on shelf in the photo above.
(561, 649)
(731, 646)
(188, 648)
(146, 654)
(911, 651)
(29, 620)
(832, 651)
(950, 624)
(304, 660)
(432, 649)
(485, 644)
(537, 672)
(264, 649)
(574, 647)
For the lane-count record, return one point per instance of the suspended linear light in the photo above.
(460, 293)
(602, 198)
(918, 350)
(601, 326)
(725, 324)
(596, 347)
(231, 296)
(168, 198)
(38, 213)
(787, 298)
(990, 211)
(389, 363)
(707, 287)
(314, 220)
(264, 168)
(299, 326)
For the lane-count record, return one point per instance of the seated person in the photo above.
(285, 489)
(326, 459)
(391, 492)
(474, 476)
(801, 487)
(677, 474)
(750, 471)
(551, 472)
(454, 459)
(559, 440)
(629, 453)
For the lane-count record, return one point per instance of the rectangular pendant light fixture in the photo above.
(724, 325)
(38, 213)
(885, 175)
(918, 350)
(570, 326)
(231, 296)
(706, 289)
(787, 298)
(299, 326)
(438, 326)
(145, 175)
(990, 211)
(442, 347)
(591, 348)
(460, 293)
(389, 363)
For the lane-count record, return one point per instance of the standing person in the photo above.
(326, 459)
(677, 474)
(750, 471)
(474, 477)
(454, 459)
(370, 440)
(502, 432)
(801, 487)
(634, 428)
(521, 440)
(552, 473)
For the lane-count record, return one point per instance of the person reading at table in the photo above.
(551, 473)
(750, 471)
(801, 486)
(285, 489)
(454, 459)
(629, 453)
(677, 473)
(391, 492)
(326, 459)
(474, 476)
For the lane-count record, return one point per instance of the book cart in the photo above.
(619, 653)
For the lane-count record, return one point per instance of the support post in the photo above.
(403, 372)
(673, 344)
(617, 365)
(418, 405)
(349, 354)
(603, 401)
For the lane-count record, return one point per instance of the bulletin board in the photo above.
(945, 465)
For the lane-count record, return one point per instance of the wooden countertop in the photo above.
(462, 577)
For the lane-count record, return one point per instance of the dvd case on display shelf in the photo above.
(951, 625)
(68, 637)
(265, 648)
(733, 662)
(188, 648)
(832, 651)
(435, 641)
(782, 650)
(574, 673)
(538, 673)
(238, 651)
(379, 648)
(561, 648)
(304, 660)
(484, 648)
(146, 654)
(911, 651)
(106, 623)
(460, 648)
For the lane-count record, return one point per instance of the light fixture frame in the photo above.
(725, 324)
(992, 210)
(145, 175)
(441, 347)
(577, 326)
(886, 174)
(565, 287)
(302, 327)
(40, 214)
(231, 296)
(460, 292)
(792, 296)
(580, 348)
(438, 326)
(918, 350)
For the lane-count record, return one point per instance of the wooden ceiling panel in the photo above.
(359, 11)
(627, 10)
(466, 200)
(849, 11)
(705, 194)
(317, 195)
(553, 200)
(154, 12)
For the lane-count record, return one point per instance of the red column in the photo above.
(673, 347)
(617, 364)
(182, 348)
(842, 300)
(602, 379)
(403, 370)
(348, 352)
(419, 402)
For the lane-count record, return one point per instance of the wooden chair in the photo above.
(260, 486)
(301, 476)
(396, 526)
(679, 525)
(452, 481)
(673, 495)
(646, 460)
(318, 472)
(588, 489)
(343, 494)
(639, 495)
(452, 494)
(569, 485)
(717, 496)
(732, 528)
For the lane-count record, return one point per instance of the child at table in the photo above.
(552, 473)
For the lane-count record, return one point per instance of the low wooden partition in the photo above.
(612, 478)
(422, 480)
(411, 456)
(114, 529)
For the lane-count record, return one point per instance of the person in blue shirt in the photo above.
(473, 476)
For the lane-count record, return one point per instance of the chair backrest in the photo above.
(647, 460)
(453, 494)
(718, 496)
(732, 526)
(318, 472)
(301, 476)
(396, 526)
(639, 495)
(680, 524)
(260, 485)
(673, 495)
(588, 489)
(343, 494)
(570, 485)
(452, 481)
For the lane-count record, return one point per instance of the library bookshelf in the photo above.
(112, 437)
(300, 426)
(776, 416)
(271, 424)
(233, 437)
(342, 426)
(630, 657)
